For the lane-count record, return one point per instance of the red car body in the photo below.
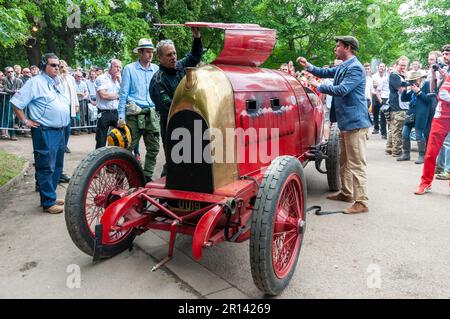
(213, 202)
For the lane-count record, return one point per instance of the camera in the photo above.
(407, 83)
(437, 66)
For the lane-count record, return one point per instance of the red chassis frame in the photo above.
(207, 225)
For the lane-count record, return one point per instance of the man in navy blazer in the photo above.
(349, 110)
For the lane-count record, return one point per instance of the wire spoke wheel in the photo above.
(332, 161)
(112, 176)
(286, 234)
(103, 177)
(278, 223)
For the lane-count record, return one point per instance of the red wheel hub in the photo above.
(287, 226)
(100, 200)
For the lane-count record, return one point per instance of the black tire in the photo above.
(332, 162)
(77, 192)
(282, 170)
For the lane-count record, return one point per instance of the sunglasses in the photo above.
(54, 65)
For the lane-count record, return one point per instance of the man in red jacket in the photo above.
(439, 129)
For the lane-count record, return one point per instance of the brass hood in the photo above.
(208, 92)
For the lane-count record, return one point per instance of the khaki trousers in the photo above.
(353, 164)
(389, 137)
(397, 121)
(148, 127)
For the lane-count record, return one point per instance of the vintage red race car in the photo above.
(261, 198)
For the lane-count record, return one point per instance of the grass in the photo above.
(10, 167)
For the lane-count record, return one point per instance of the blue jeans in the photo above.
(443, 159)
(48, 146)
(406, 131)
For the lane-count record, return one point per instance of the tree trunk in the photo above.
(50, 40)
(291, 45)
(50, 35)
(162, 12)
(33, 52)
(70, 47)
(161, 7)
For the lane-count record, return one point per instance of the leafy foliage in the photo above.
(112, 28)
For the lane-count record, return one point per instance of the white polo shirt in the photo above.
(105, 82)
(383, 84)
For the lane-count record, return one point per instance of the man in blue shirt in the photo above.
(48, 108)
(136, 108)
(90, 83)
(349, 110)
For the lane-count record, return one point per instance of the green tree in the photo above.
(57, 25)
(427, 27)
(112, 28)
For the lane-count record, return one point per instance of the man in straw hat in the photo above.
(136, 108)
(349, 110)
(417, 114)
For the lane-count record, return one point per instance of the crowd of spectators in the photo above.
(83, 118)
(401, 99)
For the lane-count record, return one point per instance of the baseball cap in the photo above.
(348, 39)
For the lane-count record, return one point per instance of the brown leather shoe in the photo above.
(340, 197)
(59, 202)
(357, 208)
(55, 209)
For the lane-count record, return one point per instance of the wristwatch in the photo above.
(25, 122)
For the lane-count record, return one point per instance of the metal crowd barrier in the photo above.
(86, 118)
(9, 123)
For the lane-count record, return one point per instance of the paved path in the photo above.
(398, 250)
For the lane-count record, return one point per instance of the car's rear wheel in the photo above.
(332, 161)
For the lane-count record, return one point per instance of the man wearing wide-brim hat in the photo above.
(136, 108)
(417, 115)
(349, 110)
(144, 44)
